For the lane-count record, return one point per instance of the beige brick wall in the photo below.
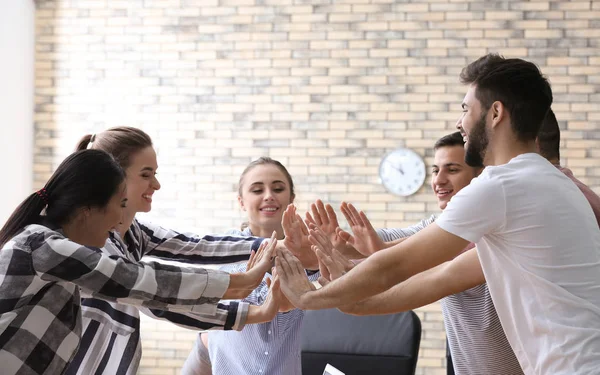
(327, 87)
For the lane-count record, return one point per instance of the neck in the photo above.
(75, 232)
(502, 155)
(555, 162)
(266, 232)
(128, 217)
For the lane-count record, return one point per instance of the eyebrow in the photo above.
(448, 165)
(147, 169)
(262, 183)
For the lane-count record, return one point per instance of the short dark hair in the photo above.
(518, 84)
(87, 178)
(549, 137)
(454, 139)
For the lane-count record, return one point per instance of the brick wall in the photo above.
(327, 87)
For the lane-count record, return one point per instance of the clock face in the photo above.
(402, 171)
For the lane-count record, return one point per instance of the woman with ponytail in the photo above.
(50, 251)
(112, 329)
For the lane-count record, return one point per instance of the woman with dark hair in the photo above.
(112, 330)
(50, 251)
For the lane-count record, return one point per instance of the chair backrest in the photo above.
(382, 344)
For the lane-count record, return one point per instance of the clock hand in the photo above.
(397, 168)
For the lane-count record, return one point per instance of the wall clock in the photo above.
(402, 171)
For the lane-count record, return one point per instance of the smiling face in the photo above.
(450, 173)
(472, 126)
(265, 194)
(141, 180)
(101, 220)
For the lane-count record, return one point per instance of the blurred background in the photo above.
(326, 87)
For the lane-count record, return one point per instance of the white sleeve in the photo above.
(476, 210)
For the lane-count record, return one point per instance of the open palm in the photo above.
(364, 238)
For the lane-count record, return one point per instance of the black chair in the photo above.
(358, 345)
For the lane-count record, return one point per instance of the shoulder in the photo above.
(239, 232)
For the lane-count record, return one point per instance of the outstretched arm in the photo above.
(382, 270)
(461, 273)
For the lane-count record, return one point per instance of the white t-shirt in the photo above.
(539, 246)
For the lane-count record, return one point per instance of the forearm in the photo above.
(191, 248)
(386, 268)
(229, 316)
(462, 273)
(418, 291)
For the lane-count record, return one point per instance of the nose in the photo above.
(459, 122)
(268, 195)
(440, 178)
(156, 184)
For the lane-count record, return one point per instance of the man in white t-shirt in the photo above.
(536, 234)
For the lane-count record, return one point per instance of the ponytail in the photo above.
(87, 178)
(27, 213)
(83, 142)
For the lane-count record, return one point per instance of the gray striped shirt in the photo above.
(476, 339)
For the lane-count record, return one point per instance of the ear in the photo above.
(241, 202)
(498, 113)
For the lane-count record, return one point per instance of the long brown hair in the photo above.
(122, 142)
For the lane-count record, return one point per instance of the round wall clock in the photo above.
(402, 171)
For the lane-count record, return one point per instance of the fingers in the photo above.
(346, 213)
(322, 212)
(334, 270)
(252, 259)
(346, 264)
(309, 218)
(300, 222)
(320, 239)
(323, 281)
(345, 236)
(355, 215)
(322, 267)
(331, 215)
(366, 221)
(286, 221)
(316, 215)
(284, 264)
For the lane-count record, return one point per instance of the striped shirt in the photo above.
(41, 274)
(268, 348)
(111, 342)
(476, 339)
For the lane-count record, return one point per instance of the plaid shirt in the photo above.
(41, 273)
(111, 331)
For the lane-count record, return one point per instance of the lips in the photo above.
(147, 197)
(269, 210)
(443, 192)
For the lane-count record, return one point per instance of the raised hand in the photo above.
(323, 216)
(242, 284)
(332, 263)
(365, 239)
(268, 310)
(296, 238)
(294, 282)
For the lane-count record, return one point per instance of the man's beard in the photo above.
(477, 144)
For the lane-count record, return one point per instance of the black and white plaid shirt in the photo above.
(111, 342)
(41, 273)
